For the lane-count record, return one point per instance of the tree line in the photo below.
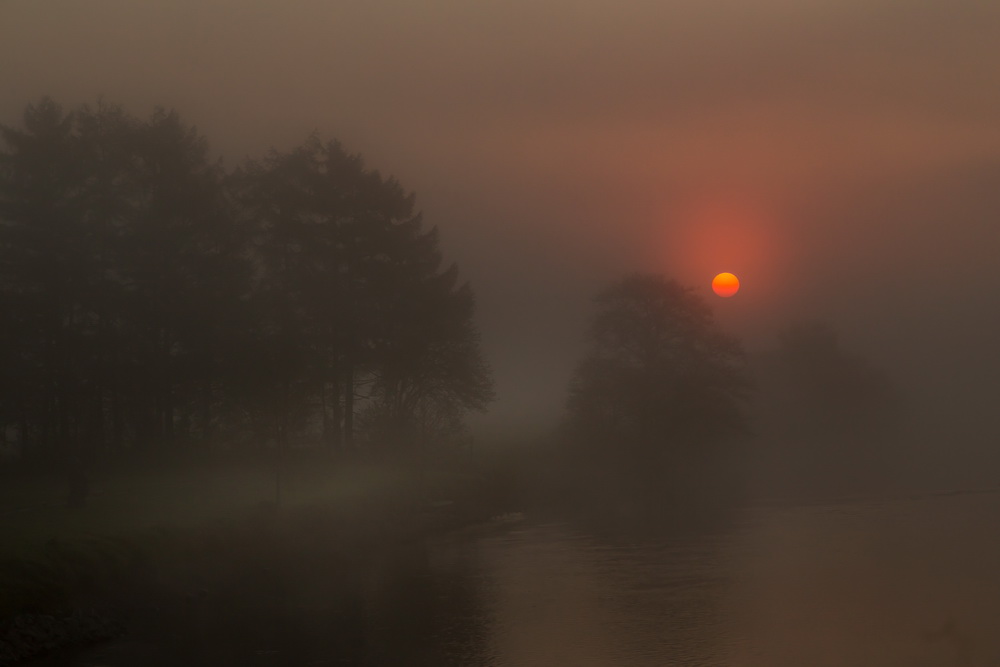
(666, 405)
(149, 297)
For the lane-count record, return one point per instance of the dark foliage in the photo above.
(150, 299)
(828, 418)
(661, 390)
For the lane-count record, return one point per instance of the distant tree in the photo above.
(826, 412)
(821, 391)
(661, 387)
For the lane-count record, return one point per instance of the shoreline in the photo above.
(74, 593)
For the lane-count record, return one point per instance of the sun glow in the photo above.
(726, 284)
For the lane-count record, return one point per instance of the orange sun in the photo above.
(726, 284)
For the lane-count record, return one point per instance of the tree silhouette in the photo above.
(148, 297)
(50, 269)
(180, 272)
(428, 368)
(830, 392)
(661, 389)
(354, 302)
(828, 415)
(118, 263)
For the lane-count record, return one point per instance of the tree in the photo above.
(48, 269)
(354, 303)
(148, 297)
(830, 392)
(180, 273)
(119, 266)
(661, 388)
(828, 415)
(428, 367)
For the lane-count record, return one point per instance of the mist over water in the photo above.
(902, 582)
(383, 333)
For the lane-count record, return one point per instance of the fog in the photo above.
(846, 146)
(840, 156)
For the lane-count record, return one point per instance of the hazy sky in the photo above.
(841, 156)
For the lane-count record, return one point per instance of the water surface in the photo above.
(909, 582)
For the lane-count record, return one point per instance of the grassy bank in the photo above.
(148, 533)
(176, 493)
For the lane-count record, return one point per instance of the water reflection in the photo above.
(871, 583)
(425, 606)
(909, 582)
(565, 598)
(906, 582)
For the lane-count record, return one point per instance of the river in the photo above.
(909, 582)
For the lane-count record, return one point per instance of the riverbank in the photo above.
(75, 588)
